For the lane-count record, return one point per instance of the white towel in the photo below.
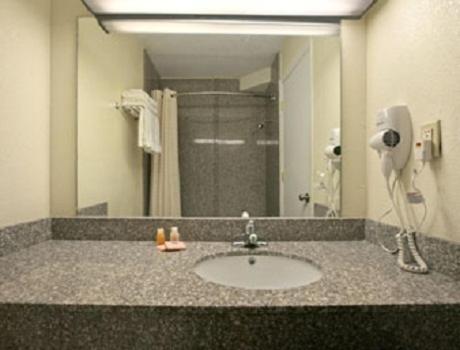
(149, 125)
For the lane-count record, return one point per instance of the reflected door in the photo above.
(297, 139)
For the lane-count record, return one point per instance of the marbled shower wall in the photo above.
(226, 165)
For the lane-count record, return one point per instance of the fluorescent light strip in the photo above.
(149, 26)
(219, 142)
(230, 142)
(267, 142)
(204, 141)
(332, 8)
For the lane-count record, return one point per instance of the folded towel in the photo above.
(149, 124)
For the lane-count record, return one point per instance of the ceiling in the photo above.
(205, 56)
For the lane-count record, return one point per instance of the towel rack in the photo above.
(133, 110)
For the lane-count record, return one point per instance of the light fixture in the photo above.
(296, 8)
(288, 17)
(148, 26)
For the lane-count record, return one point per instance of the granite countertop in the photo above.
(136, 274)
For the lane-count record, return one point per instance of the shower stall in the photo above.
(228, 147)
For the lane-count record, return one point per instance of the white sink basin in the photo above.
(259, 271)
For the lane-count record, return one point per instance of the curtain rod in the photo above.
(229, 93)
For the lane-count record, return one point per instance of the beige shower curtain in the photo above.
(165, 198)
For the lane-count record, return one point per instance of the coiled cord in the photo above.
(420, 264)
(385, 214)
(405, 232)
(332, 190)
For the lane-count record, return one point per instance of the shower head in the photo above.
(261, 126)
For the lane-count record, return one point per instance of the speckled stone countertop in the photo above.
(135, 274)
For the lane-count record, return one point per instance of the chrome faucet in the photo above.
(250, 227)
(250, 238)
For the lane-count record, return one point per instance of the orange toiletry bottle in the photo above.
(161, 236)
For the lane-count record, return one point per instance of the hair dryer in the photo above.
(393, 138)
(393, 143)
(333, 150)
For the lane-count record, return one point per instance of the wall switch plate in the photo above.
(433, 131)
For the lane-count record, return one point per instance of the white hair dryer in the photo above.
(393, 143)
(333, 150)
(393, 138)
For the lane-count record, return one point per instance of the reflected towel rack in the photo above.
(131, 109)
(226, 93)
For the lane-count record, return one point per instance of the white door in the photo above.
(296, 148)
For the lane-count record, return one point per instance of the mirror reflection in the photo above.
(208, 125)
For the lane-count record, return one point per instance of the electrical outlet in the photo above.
(427, 134)
(432, 132)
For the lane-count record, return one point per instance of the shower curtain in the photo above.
(165, 198)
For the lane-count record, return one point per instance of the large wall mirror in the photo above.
(208, 125)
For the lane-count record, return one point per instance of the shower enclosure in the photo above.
(228, 147)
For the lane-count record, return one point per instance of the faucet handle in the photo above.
(253, 238)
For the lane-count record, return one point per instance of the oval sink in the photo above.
(259, 271)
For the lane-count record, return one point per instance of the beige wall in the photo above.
(291, 50)
(24, 110)
(326, 103)
(109, 160)
(64, 105)
(413, 57)
(353, 89)
(258, 80)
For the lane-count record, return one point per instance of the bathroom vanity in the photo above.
(96, 289)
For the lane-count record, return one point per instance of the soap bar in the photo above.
(171, 247)
(174, 246)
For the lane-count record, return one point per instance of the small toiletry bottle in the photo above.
(161, 236)
(174, 236)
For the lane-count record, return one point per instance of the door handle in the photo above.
(305, 198)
